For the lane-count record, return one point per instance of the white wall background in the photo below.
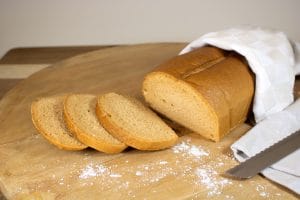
(26, 23)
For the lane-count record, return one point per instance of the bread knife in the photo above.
(265, 158)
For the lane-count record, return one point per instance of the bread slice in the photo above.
(133, 123)
(47, 117)
(207, 90)
(81, 119)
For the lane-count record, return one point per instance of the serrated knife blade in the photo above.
(265, 158)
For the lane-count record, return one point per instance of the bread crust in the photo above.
(85, 138)
(52, 140)
(221, 80)
(126, 137)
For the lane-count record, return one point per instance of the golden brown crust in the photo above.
(85, 138)
(52, 140)
(221, 79)
(182, 66)
(124, 136)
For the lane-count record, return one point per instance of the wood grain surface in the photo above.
(45, 55)
(31, 168)
(20, 62)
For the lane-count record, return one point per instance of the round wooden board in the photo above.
(34, 169)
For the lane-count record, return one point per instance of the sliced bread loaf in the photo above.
(81, 119)
(47, 117)
(207, 90)
(133, 123)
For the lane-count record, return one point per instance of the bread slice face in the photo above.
(81, 119)
(182, 103)
(208, 91)
(133, 123)
(47, 117)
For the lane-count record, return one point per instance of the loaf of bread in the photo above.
(81, 119)
(133, 123)
(207, 90)
(47, 117)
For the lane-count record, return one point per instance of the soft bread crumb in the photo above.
(133, 123)
(47, 117)
(80, 115)
(181, 103)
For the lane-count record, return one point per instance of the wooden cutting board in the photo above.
(31, 168)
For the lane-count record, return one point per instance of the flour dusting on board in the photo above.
(151, 172)
(209, 177)
(190, 150)
(92, 170)
(185, 164)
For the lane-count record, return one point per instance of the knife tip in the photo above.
(233, 174)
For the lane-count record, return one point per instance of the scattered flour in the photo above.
(189, 149)
(186, 162)
(61, 181)
(210, 179)
(92, 170)
(153, 172)
(115, 175)
(229, 197)
(262, 191)
(195, 151)
(163, 162)
(138, 173)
